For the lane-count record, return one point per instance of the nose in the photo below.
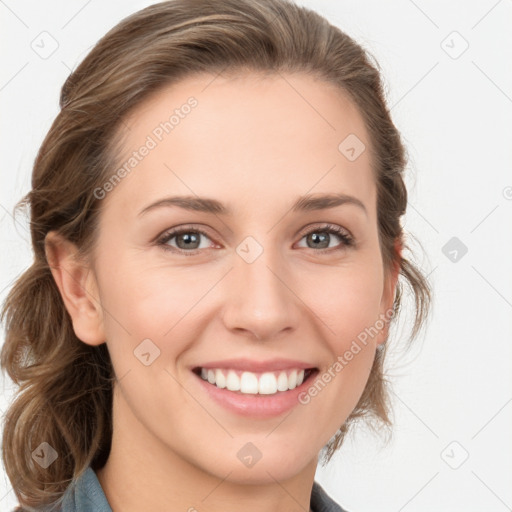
(260, 301)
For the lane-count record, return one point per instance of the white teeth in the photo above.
(268, 383)
(220, 380)
(249, 383)
(292, 379)
(282, 382)
(233, 381)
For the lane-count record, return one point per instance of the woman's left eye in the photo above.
(188, 240)
(321, 237)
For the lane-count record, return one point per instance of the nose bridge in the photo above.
(259, 300)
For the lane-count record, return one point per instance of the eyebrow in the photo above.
(302, 204)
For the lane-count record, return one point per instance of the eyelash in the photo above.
(346, 239)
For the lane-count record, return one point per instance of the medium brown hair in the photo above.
(65, 385)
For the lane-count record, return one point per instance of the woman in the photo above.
(215, 216)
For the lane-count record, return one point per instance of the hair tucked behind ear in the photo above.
(65, 394)
(65, 386)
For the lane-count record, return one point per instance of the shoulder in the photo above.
(84, 494)
(322, 502)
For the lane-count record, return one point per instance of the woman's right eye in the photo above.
(187, 241)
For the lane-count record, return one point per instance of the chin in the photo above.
(251, 467)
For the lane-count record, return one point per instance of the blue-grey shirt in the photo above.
(85, 494)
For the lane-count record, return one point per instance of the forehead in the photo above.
(245, 137)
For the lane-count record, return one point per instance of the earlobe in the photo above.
(78, 288)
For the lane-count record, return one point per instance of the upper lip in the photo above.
(256, 366)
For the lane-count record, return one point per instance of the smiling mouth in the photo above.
(255, 383)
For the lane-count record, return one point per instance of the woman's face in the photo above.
(255, 277)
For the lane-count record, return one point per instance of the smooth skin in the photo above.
(256, 143)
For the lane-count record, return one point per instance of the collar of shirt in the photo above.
(85, 494)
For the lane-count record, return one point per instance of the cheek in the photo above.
(152, 318)
(150, 301)
(347, 300)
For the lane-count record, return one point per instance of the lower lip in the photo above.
(256, 405)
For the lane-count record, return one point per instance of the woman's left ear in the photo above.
(389, 292)
(78, 288)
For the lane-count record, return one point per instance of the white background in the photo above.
(455, 118)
